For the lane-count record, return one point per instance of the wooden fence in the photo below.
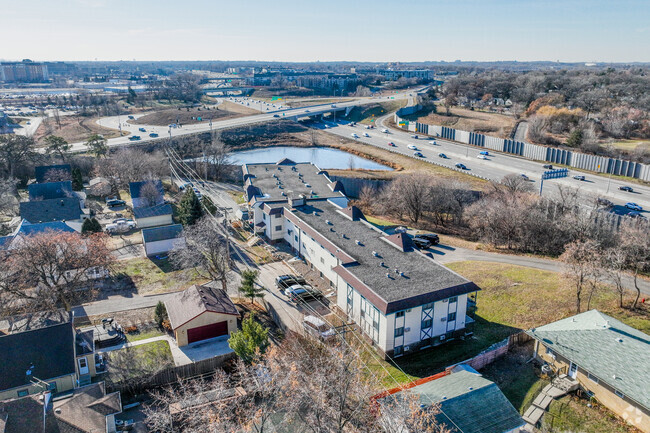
(495, 351)
(170, 375)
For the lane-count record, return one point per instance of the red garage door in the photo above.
(207, 331)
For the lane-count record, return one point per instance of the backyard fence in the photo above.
(170, 375)
(596, 163)
(495, 351)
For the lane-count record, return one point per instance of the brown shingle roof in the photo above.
(196, 300)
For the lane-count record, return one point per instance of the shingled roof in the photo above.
(41, 171)
(615, 353)
(196, 300)
(50, 190)
(153, 211)
(58, 209)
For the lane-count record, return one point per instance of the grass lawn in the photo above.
(572, 414)
(153, 355)
(632, 144)
(237, 196)
(143, 335)
(513, 298)
(149, 276)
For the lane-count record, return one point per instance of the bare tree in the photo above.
(578, 260)
(46, 271)
(127, 368)
(515, 184)
(56, 175)
(206, 250)
(150, 194)
(14, 151)
(614, 266)
(216, 156)
(635, 241)
(413, 193)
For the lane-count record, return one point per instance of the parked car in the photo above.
(421, 243)
(442, 155)
(134, 138)
(391, 144)
(461, 166)
(579, 177)
(286, 281)
(604, 202)
(418, 154)
(142, 130)
(318, 328)
(115, 203)
(548, 166)
(633, 206)
(121, 226)
(412, 147)
(626, 188)
(431, 237)
(153, 135)
(299, 293)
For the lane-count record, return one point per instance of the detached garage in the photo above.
(200, 313)
(160, 240)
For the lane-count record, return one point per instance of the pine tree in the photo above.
(189, 209)
(160, 313)
(575, 139)
(251, 340)
(77, 179)
(248, 287)
(91, 225)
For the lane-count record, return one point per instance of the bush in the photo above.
(131, 329)
(160, 314)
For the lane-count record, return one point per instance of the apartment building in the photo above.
(402, 299)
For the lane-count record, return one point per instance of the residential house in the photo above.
(26, 229)
(42, 351)
(50, 190)
(609, 359)
(153, 216)
(402, 299)
(201, 312)
(40, 172)
(140, 200)
(60, 209)
(467, 402)
(86, 410)
(160, 240)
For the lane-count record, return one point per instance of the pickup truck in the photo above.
(120, 226)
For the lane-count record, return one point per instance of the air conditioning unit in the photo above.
(445, 300)
(407, 348)
(443, 319)
(408, 311)
(407, 329)
(442, 338)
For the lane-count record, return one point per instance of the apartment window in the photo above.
(398, 350)
(278, 228)
(295, 238)
(399, 331)
(454, 299)
(427, 323)
(427, 306)
(264, 217)
(619, 393)
(451, 317)
(399, 314)
(592, 378)
(322, 260)
(278, 215)
(23, 392)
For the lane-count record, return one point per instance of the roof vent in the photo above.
(387, 274)
(311, 191)
(284, 193)
(444, 397)
(619, 339)
(328, 222)
(396, 271)
(358, 242)
(607, 325)
(344, 236)
(374, 253)
(57, 410)
(308, 185)
(614, 377)
(382, 264)
(470, 388)
(315, 213)
(401, 274)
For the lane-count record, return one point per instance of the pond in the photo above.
(323, 157)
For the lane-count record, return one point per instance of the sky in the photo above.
(326, 30)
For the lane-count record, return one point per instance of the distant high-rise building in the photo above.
(26, 71)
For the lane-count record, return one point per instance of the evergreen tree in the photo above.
(575, 139)
(189, 209)
(160, 313)
(91, 225)
(77, 179)
(248, 287)
(251, 340)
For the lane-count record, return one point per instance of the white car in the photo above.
(354, 135)
(481, 156)
(433, 142)
(413, 147)
(318, 328)
(385, 131)
(120, 226)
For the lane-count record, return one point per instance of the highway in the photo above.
(495, 167)
(166, 131)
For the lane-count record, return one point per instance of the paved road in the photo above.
(521, 131)
(447, 254)
(165, 131)
(494, 168)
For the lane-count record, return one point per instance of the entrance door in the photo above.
(83, 366)
(573, 371)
